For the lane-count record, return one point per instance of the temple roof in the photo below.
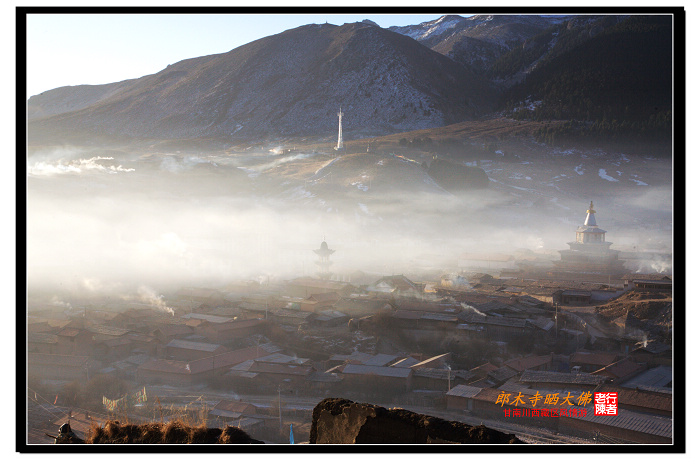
(324, 250)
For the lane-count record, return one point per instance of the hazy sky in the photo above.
(68, 49)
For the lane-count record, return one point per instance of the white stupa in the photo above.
(340, 129)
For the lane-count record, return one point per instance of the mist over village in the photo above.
(463, 227)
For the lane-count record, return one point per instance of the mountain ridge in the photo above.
(283, 85)
(387, 81)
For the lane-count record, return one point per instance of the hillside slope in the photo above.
(289, 84)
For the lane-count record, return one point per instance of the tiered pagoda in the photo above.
(324, 263)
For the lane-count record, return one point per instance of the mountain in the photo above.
(610, 63)
(285, 85)
(609, 76)
(480, 40)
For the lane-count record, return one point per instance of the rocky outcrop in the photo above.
(341, 421)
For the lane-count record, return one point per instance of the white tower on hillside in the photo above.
(340, 129)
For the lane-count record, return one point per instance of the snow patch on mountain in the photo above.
(440, 26)
(603, 174)
(639, 182)
(360, 186)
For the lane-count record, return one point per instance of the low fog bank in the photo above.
(132, 225)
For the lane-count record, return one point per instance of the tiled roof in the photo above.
(490, 306)
(243, 374)
(173, 329)
(236, 324)
(123, 366)
(166, 365)
(193, 345)
(482, 383)
(530, 377)
(330, 314)
(207, 317)
(360, 304)
(270, 347)
(410, 315)
(115, 342)
(491, 394)
(654, 282)
(291, 313)
(529, 362)
(597, 359)
(237, 356)
(383, 371)
(432, 360)
(436, 373)
(576, 293)
(39, 327)
(42, 338)
(637, 422)
(621, 369)
(356, 357)
(228, 359)
(381, 359)
(162, 320)
(502, 374)
(323, 297)
(440, 317)
(138, 359)
(426, 306)
(254, 306)
(659, 376)
(399, 282)
(140, 338)
(473, 318)
(543, 323)
(280, 358)
(645, 276)
(654, 347)
(56, 359)
(640, 398)
(233, 407)
(105, 330)
(484, 369)
(287, 369)
(70, 332)
(405, 362)
(516, 387)
(464, 391)
(243, 366)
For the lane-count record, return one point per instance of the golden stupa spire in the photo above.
(590, 209)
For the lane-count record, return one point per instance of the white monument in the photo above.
(340, 130)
